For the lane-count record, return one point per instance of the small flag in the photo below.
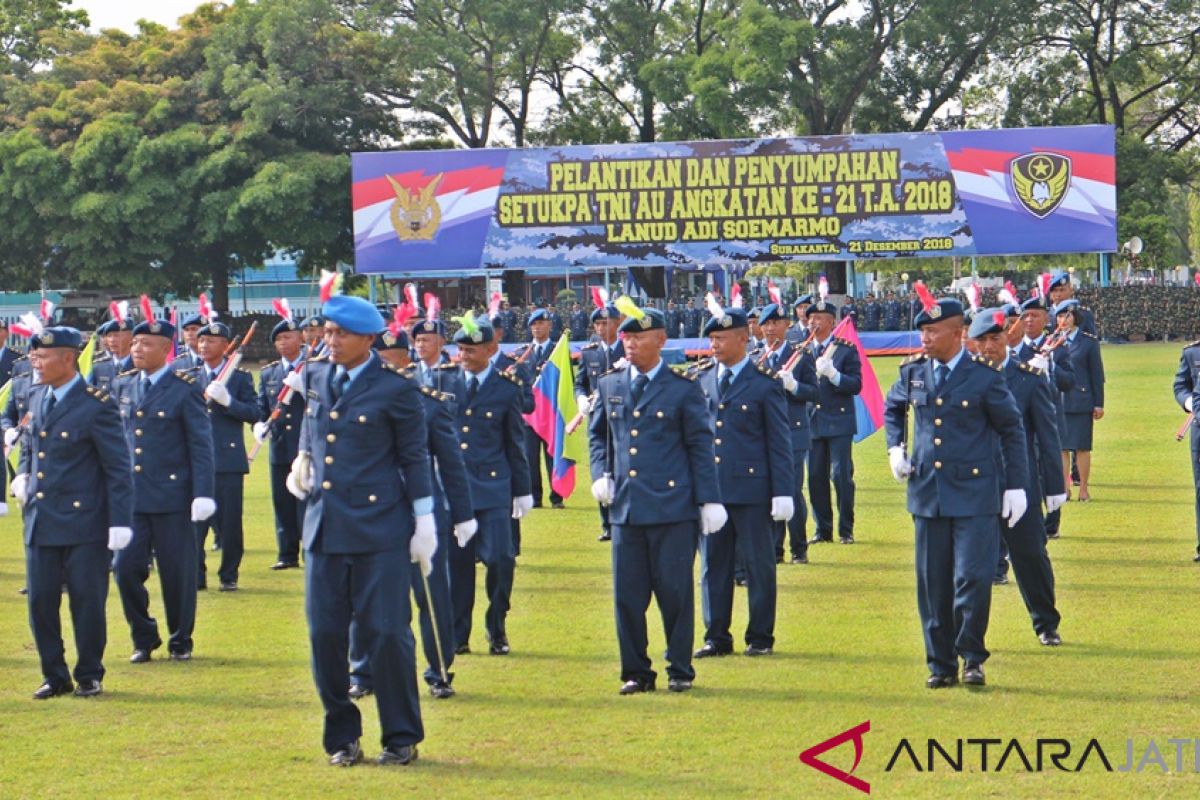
(823, 287)
(554, 405)
(206, 310)
(599, 297)
(331, 284)
(87, 358)
(774, 293)
(47, 310)
(868, 404)
(283, 308)
(735, 296)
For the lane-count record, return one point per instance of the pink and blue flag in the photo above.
(868, 404)
(554, 407)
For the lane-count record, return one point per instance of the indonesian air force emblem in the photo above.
(416, 214)
(1040, 181)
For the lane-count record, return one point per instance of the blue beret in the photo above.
(537, 316)
(315, 321)
(1066, 305)
(1011, 309)
(802, 299)
(1060, 278)
(1035, 303)
(730, 319)
(155, 327)
(215, 329)
(771, 311)
(430, 326)
(652, 320)
(283, 326)
(103, 328)
(605, 312)
(391, 341)
(59, 336)
(821, 307)
(352, 314)
(943, 309)
(117, 325)
(985, 322)
(486, 333)
(194, 319)
(754, 313)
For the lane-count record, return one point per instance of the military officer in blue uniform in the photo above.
(16, 408)
(1187, 379)
(577, 323)
(834, 423)
(800, 386)
(189, 331)
(849, 309)
(556, 322)
(1061, 290)
(535, 448)
(871, 313)
(432, 369)
(492, 442)
(8, 356)
(512, 364)
(1025, 542)
(674, 320)
(455, 517)
(891, 312)
(798, 333)
(231, 405)
(76, 489)
(692, 317)
(363, 469)
(754, 340)
(595, 359)
(963, 414)
(169, 436)
(314, 331)
(104, 367)
(653, 464)
(284, 435)
(118, 340)
(1084, 403)
(753, 454)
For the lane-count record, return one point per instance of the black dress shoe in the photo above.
(1000, 580)
(88, 689)
(709, 650)
(820, 540)
(48, 690)
(181, 655)
(441, 690)
(973, 675)
(679, 685)
(142, 654)
(637, 687)
(1194, 558)
(1055, 536)
(25, 589)
(397, 756)
(557, 504)
(349, 755)
(229, 586)
(1050, 638)
(941, 681)
(607, 537)
(498, 647)
(462, 650)
(358, 691)
(202, 586)
(739, 581)
(799, 559)
(279, 565)
(752, 650)
(846, 539)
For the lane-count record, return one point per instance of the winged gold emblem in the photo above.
(1041, 181)
(416, 214)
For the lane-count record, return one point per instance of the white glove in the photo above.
(1187, 405)
(901, 468)
(712, 518)
(1013, 505)
(217, 393)
(789, 382)
(584, 403)
(203, 508)
(825, 367)
(20, 488)
(423, 543)
(12, 434)
(261, 429)
(300, 479)
(620, 363)
(782, 509)
(1040, 362)
(603, 490)
(522, 505)
(3, 509)
(465, 531)
(294, 381)
(119, 538)
(1054, 502)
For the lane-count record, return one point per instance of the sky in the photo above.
(124, 14)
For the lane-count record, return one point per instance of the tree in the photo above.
(28, 32)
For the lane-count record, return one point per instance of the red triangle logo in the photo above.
(854, 734)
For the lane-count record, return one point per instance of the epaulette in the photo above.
(322, 357)
(590, 346)
(403, 372)
(687, 376)
(243, 369)
(272, 364)
(182, 375)
(127, 373)
(915, 358)
(509, 376)
(765, 370)
(447, 365)
(978, 359)
(24, 357)
(611, 371)
(97, 394)
(1090, 335)
(434, 393)
(705, 363)
(99, 358)
(836, 340)
(1027, 367)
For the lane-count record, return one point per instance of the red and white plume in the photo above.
(410, 294)
(206, 310)
(926, 297)
(120, 311)
(494, 305)
(735, 295)
(714, 308)
(774, 293)
(401, 314)
(28, 326)
(433, 306)
(47, 311)
(823, 287)
(1009, 294)
(1044, 286)
(1198, 277)
(973, 296)
(147, 309)
(600, 296)
(998, 318)
(282, 307)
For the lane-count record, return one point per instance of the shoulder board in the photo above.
(916, 358)
(98, 359)
(1090, 335)
(96, 394)
(23, 357)
(512, 378)
(185, 375)
(127, 372)
(687, 376)
(401, 371)
(590, 346)
(765, 370)
(986, 362)
(434, 393)
(1027, 367)
(272, 364)
(447, 365)
(706, 363)
(843, 342)
(322, 357)
(611, 371)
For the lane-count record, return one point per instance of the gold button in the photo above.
(939, 401)
(233, 444)
(937, 465)
(965, 404)
(64, 434)
(372, 498)
(326, 485)
(41, 475)
(331, 438)
(41, 455)
(40, 496)
(671, 483)
(137, 451)
(633, 451)
(752, 470)
(333, 415)
(42, 434)
(328, 459)
(488, 414)
(659, 415)
(287, 427)
(937, 441)
(721, 406)
(493, 473)
(744, 406)
(162, 413)
(633, 473)
(210, 411)
(362, 418)
(937, 422)
(818, 406)
(717, 459)
(137, 467)
(637, 413)
(463, 445)
(171, 476)
(468, 412)
(466, 429)
(720, 424)
(633, 432)
(137, 432)
(716, 441)
(975, 471)
(140, 413)
(77, 504)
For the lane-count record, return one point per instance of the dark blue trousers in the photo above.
(84, 568)
(372, 589)
(956, 561)
(1195, 439)
(797, 525)
(535, 454)
(289, 515)
(172, 540)
(493, 545)
(831, 458)
(1026, 547)
(747, 538)
(655, 559)
(439, 588)
(227, 522)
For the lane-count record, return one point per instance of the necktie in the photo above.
(726, 379)
(427, 374)
(818, 349)
(940, 374)
(472, 388)
(339, 384)
(774, 360)
(639, 386)
(145, 388)
(212, 376)
(51, 400)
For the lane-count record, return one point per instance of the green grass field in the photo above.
(243, 719)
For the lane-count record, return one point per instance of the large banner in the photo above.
(682, 204)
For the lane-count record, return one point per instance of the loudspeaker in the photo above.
(651, 280)
(514, 285)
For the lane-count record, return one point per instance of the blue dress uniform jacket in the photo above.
(752, 442)
(187, 361)
(8, 358)
(1034, 398)
(17, 405)
(1062, 371)
(1187, 380)
(358, 443)
(284, 440)
(229, 435)
(954, 470)
(833, 411)
(104, 370)
(491, 435)
(170, 436)
(1088, 392)
(799, 405)
(692, 320)
(595, 359)
(659, 452)
(524, 372)
(452, 487)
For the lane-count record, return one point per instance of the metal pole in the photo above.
(437, 637)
